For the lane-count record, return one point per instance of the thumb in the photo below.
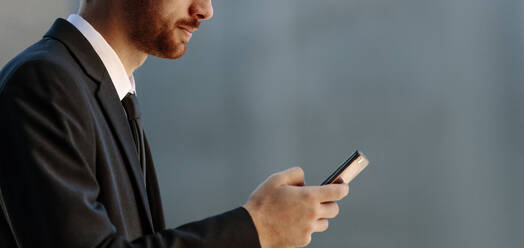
(292, 176)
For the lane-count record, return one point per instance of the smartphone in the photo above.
(349, 169)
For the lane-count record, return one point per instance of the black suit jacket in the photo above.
(69, 172)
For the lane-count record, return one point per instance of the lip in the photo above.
(187, 31)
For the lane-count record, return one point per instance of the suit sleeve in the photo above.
(48, 172)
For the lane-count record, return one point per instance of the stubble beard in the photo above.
(150, 33)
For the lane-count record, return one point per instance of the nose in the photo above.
(201, 10)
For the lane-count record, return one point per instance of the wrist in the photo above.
(264, 242)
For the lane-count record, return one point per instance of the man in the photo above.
(75, 165)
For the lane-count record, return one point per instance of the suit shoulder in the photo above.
(47, 54)
(46, 64)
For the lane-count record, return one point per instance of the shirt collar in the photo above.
(123, 84)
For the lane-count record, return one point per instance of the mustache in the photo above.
(189, 22)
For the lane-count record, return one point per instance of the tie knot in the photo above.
(130, 104)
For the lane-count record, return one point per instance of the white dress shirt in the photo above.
(115, 68)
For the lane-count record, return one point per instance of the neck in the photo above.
(110, 27)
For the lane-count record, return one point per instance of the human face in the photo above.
(164, 27)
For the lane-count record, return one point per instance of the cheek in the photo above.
(173, 10)
(168, 22)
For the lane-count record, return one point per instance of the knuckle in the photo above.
(309, 230)
(317, 210)
(311, 213)
(325, 225)
(341, 191)
(345, 190)
(281, 192)
(305, 241)
(336, 209)
(298, 170)
(306, 196)
(308, 240)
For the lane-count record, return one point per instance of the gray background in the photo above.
(432, 91)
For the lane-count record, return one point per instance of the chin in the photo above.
(171, 51)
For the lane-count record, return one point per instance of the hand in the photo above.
(286, 212)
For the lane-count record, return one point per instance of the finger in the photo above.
(328, 210)
(330, 192)
(292, 176)
(320, 225)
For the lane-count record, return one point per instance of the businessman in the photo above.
(75, 165)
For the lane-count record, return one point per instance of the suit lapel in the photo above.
(108, 99)
(153, 191)
(114, 112)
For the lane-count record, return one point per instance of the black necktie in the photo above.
(130, 104)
